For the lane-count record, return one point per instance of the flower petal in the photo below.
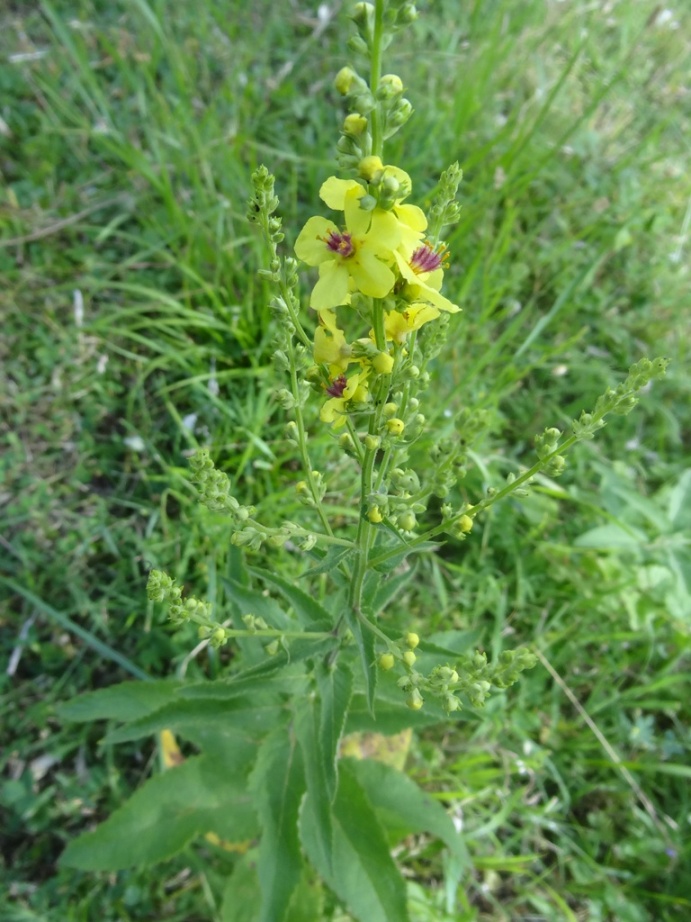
(332, 287)
(371, 276)
(310, 246)
(334, 190)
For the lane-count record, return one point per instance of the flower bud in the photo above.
(407, 521)
(355, 124)
(219, 637)
(409, 658)
(412, 640)
(387, 661)
(272, 648)
(372, 442)
(390, 85)
(465, 524)
(374, 515)
(390, 409)
(369, 167)
(415, 700)
(395, 426)
(344, 80)
(383, 363)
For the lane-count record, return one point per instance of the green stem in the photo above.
(481, 506)
(375, 76)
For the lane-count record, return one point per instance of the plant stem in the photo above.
(375, 75)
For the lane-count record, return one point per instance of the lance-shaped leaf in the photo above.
(404, 808)
(362, 873)
(318, 794)
(335, 683)
(307, 609)
(126, 701)
(166, 813)
(278, 784)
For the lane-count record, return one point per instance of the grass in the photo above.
(135, 327)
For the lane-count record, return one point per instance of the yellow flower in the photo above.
(330, 346)
(356, 256)
(343, 390)
(424, 274)
(398, 324)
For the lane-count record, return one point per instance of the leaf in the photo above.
(166, 813)
(380, 591)
(278, 784)
(330, 561)
(318, 794)
(229, 729)
(392, 714)
(126, 701)
(612, 537)
(253, 602)
(679, 503)
(291, 680)
(335, 685)
(241, 894)
(365, 643)
(404, 808)
(307, 609)
(363, 874)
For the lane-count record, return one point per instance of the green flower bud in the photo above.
(395, 426)
(409, 658)
(272, 648)
(355, 124)
(344, 80)
(387, 661)
(372, 442)
(383, 363)
(390, 409)
(407, 521)
(415, 700)
(412, 640)
(374, 515)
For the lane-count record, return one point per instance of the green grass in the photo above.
(125, 168)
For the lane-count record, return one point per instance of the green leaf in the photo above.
(365, 644)
(335, 689)
(379, 591)
(404, 808)
(278, 784)
(363, 874)
(612, 537)
(392, 714)
(330, 561)
(290, 680)
(318, 794)
(126, 701)
(166, 813)
(306, 608)
(241, 894)
(253, 602)
(230, 729)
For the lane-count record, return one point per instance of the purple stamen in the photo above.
(425, 259)
(340, 243)
(337, 386)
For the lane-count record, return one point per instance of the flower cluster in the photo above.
(375, 261)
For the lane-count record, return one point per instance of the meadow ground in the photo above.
(134, 327)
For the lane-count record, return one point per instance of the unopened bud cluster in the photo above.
(470, 678)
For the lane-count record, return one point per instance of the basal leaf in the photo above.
(363, 874)
(278, 784)
(126, 701)
(166, 813)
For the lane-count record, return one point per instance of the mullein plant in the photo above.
(268, 782)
